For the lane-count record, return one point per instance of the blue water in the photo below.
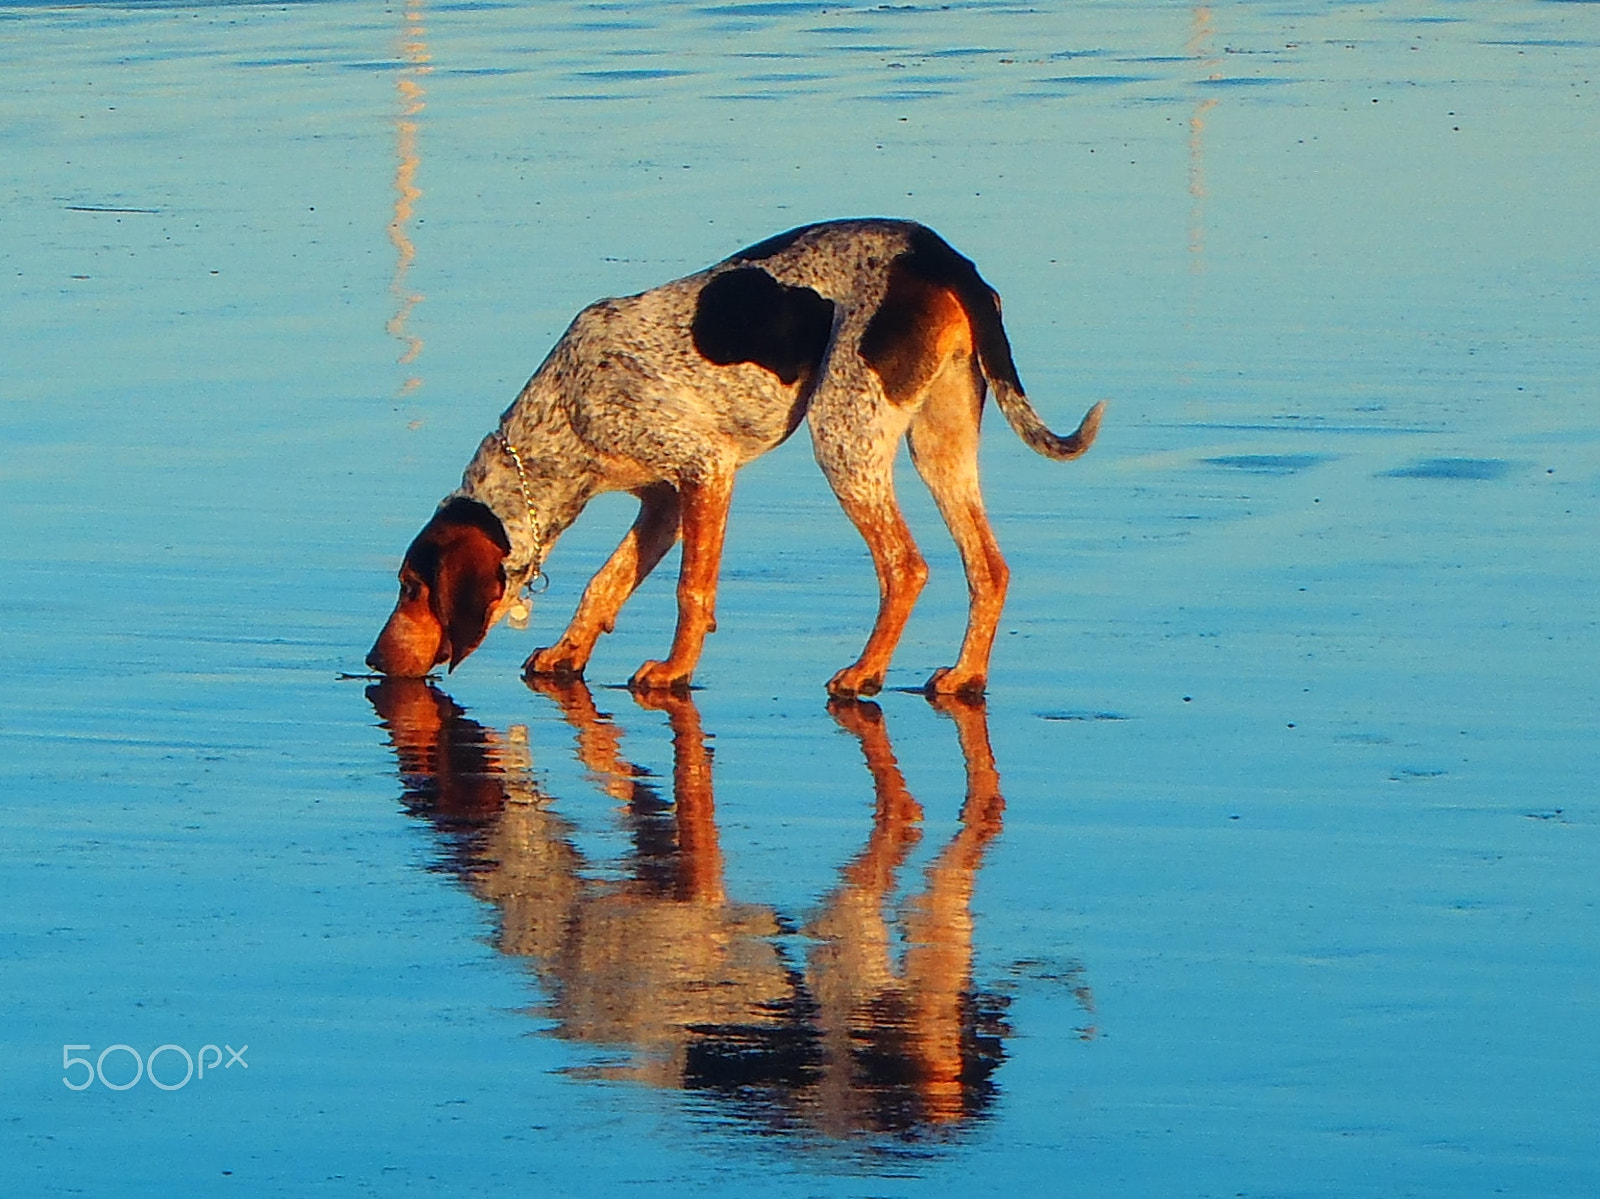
(1268, 868)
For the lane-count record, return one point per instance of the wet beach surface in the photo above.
(1268, 868)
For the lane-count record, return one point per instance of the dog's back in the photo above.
(766, 319)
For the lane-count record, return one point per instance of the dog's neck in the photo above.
(536, 475)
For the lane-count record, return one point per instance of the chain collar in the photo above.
(520, 609)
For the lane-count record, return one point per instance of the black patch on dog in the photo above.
(423, 553)
(462, 511)
(931, 260)
(899, 342)
(746, 315)
(776, 244)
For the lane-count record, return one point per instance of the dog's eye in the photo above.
(410, 589)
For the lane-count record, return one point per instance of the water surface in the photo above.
(1267, 868)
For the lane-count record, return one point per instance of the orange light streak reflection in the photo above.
(1199, 47)
(408, 158)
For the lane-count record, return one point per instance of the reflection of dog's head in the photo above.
(452, 767)
(452, 590)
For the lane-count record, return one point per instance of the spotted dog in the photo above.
(871, 330)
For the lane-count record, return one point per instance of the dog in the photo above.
(870, 330)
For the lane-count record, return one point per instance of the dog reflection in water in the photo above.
(652, 956)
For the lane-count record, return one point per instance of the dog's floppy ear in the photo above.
(469, 551)
(469, 585)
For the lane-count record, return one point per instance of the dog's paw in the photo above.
(660, 676)
(855, 682)
(555, 662)
(946, 682)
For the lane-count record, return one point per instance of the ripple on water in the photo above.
(1269, 464)
(1451, 468)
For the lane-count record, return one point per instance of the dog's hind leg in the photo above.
(855, 443)
(944, 448)
(901, 577)
(704, 501)
(646, 543)
(902, 571)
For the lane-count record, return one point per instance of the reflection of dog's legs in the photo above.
(646, 543)
(982, 809)
(895, 814)
(849, 965)
(599, 742)
(699, 850)
(938, 922)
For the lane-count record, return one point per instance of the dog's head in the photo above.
(452, 590)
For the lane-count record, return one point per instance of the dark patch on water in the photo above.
(1064, 973)
(1542, 43)
(162, 5)
(799, 8)
(1082, 714)
(110, 209)
(1411, 775)
(1245, 81)
(1482, 469)
(1096, 80)
(631, 74)
(1269, 464)
(783, 77)
(1297, 424)
(908, 95)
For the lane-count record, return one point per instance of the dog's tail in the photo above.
(937, 261)
(994, 355)
(1021, 416)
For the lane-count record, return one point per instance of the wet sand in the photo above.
(1267, 868)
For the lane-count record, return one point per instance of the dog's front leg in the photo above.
(646, 543)
(704, 505)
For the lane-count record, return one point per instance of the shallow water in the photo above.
(1268, 866)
